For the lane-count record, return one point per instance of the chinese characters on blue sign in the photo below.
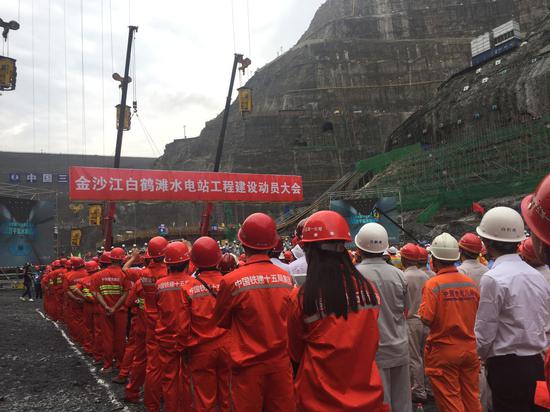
(33, 178)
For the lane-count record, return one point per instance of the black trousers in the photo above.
(513, 381)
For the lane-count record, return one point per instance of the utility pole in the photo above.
(239, 58)
(111, 206)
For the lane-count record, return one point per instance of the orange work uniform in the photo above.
(111, 283)
(57, 294)
(139, 361)
(337, 370)
(88, 309)
(253, 303)
(75, 318)
(169, 304)
(449, 306)
(152, 393)
(207, 344)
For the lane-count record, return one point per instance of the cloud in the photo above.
(184, 52)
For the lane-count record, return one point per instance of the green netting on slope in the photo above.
(502, 162)
(379, 162)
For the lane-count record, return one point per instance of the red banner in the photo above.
(96, 183)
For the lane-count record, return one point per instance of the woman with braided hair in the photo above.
(332, 325)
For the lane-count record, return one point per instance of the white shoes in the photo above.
(31, 300)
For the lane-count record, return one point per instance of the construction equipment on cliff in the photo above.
(8, 68)
(244, 62)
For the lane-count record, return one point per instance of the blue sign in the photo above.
(14, 178)
(163, 230)
(31, 178)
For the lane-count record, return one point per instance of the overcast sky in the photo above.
(184, 52)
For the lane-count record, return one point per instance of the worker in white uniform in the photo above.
(392, 357)
(418, 332)
(512, 315)
(470, 247)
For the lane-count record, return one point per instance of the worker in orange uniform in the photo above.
(470, 248)
(83, 286)
(418, 332)
(110, 288)
(253, 303)
(139, 361)
(535, 209)
(104, 262)
(75, 320)
(149, 275)
(47, 287)
(332, 325)
(448, 308)
(206, 343)
(57, 291)
(67, 318)
(135, 329)
(175, 389)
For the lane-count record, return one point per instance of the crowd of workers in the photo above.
(371, 330)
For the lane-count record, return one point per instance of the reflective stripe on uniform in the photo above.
(453, 285)
(270, 286)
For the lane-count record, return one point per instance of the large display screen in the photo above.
(26, 231)
(361, 211)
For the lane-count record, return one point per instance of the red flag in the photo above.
(477, 208)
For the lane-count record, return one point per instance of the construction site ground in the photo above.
(41, 370)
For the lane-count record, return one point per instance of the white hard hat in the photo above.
(445, 247)
(502, 224)
(372, 238)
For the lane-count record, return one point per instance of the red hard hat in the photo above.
(156, 246)
(410, 252)
(535, 209)
(63, 261)
(91, 266)
(176, 252)
(95, 259)
(227, 263)
(117, 254)
(105, 258)
(206, 253)
(326, 225)
(423, 255)
(67, 264)
(300, 229)
(258, 231)
(527, 252)
(77, 262)
(242, 257)
(56, 263)
(471, 242)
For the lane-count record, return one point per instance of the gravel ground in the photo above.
(41, 371)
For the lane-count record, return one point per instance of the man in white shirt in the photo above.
(511, 319)
(392, 357)
(470, 248)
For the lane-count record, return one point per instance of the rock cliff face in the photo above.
(508, 90)
(360, 70)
